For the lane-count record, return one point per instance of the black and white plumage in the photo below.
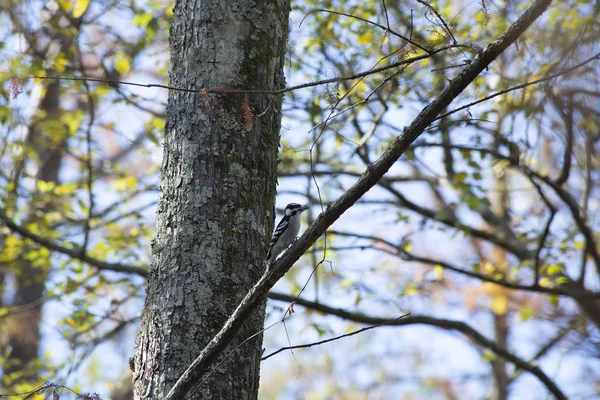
(286, 231)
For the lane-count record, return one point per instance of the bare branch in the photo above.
(398, 251)
(356, 332)
(358, 75)
(446, 324)
(566, 167)
(385, 29)
(545, 233)
(434, 11)
(595, 57)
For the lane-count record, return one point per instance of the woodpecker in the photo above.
(286, 231)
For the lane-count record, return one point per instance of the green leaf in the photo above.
(525, 314)
(460, 177)
(473, 202)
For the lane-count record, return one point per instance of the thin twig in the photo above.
(428, 51)
(356, 332)
(521, 86)
(387, 17)
(89, 164)
(568, 154)
(446, 324)
(537, 262)
(434, 11)
(321, 82)
(589, 151)
(399, 251)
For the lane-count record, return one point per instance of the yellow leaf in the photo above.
(60, 63)
(45, 187)
(554, 269)
(123, 184)
(545, 282)
(53, 216)
(351, 327)
(122, 62)
(65, 5)
(131, 181)
(142, 19)
(158, 123)
(66, 188)
(410, 290)
(439, 271)
(80, 7)
(346, 282)
(499, 304)
(366, 38)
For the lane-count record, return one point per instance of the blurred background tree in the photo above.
(488, 227)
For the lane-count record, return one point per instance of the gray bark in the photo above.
(215, 212)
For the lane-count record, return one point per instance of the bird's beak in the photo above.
(304, 208)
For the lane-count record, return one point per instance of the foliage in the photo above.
(491, 219)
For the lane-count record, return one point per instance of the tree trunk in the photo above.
(215, 213)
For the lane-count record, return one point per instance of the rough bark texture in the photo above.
(215, 212)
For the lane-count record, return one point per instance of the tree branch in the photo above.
(385, 29)
(398, 251)
(370, 177)
(73, 253)
(595, 57)
(446, 324)
(222, 90)
(320, 342)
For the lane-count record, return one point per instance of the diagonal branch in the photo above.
(446, 324)
(370, 177)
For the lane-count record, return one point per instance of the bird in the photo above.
(286, 231)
